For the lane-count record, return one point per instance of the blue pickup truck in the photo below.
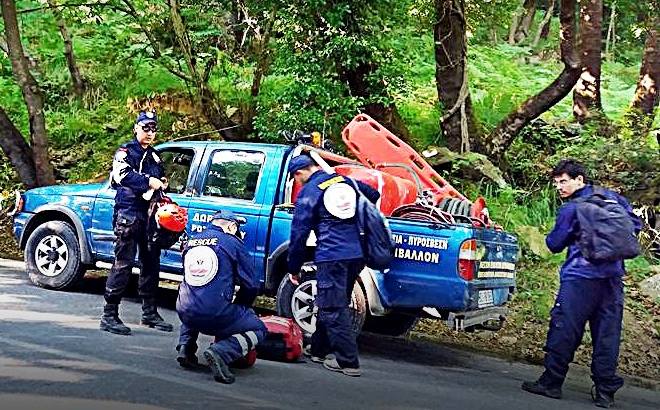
(456, 272)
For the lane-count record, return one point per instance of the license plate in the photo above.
(485, 298)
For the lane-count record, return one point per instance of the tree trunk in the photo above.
(610, 32)
(515, 21)
(458, 123)
(522, 31)
(77, 79)
(586, 95)
(17, 150)
(31, 95)
(263, 56)
(509, 128)
(211, 108)
(386, 114)
(359, 84)
(544, 27)
(646, 98)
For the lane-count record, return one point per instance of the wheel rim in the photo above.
(302, 306)
(51, 256)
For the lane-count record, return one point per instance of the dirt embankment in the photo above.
(8, 246)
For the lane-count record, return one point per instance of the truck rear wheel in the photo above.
(297, 301)
(52, 256)
(394, 324)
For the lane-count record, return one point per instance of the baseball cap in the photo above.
(229, 216)
(145, 117)
(299, 162)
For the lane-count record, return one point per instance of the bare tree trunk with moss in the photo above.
(17, 150)
(526, 22)
(77, 79)
(31, 95)
(211, 108)
(544, 27)
(586, 95)
(645, 101)
(522, 21)
(458, 124)
(508, 129)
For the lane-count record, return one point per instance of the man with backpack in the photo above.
(327, 205)
(599, 229)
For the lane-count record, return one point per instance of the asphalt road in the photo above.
(52, 356)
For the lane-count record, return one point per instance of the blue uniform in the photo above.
(131, 168)
(589, 292)
(336, 239)
(339, 260)
(214, 262)
(565, 235)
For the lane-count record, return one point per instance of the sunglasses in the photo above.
(151, 127)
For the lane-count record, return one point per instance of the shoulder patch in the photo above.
(200, 266)
(156, 157)
(334, 180)
(340, 200)
(121, 154)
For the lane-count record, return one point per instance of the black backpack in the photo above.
(607, 233)
(375, 235)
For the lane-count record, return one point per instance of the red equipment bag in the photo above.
(283, 342)
(246, 361)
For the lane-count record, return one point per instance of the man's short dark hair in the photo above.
(570, 167)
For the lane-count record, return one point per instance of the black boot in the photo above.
(541, 389)
(187, 357)
(151, 318)
(110, 321)
(219, 368)
(601, 398)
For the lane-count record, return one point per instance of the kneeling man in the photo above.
(214, 261)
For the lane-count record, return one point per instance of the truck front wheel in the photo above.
(297, 301)
(52, 256)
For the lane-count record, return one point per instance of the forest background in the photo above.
(494, 92)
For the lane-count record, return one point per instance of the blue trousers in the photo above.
(599, 302)
(334, 328)
(239, 330)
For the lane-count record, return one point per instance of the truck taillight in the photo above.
(467, 259)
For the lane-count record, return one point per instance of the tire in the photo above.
(52, 256)
(394, 324)
(290, 295)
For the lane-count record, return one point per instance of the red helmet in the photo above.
(172, 217)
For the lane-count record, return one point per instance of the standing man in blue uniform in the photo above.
(326, 205)
(136, 169)
(214, 261)
(589, 291)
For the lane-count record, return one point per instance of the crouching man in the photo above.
(214, 261)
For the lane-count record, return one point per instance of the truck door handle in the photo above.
(286, 208)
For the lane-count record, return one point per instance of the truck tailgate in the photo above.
(495, 264)
(424, 270)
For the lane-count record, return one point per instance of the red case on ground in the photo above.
(283, 342)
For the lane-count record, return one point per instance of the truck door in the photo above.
(177, 163)
(231, 179)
